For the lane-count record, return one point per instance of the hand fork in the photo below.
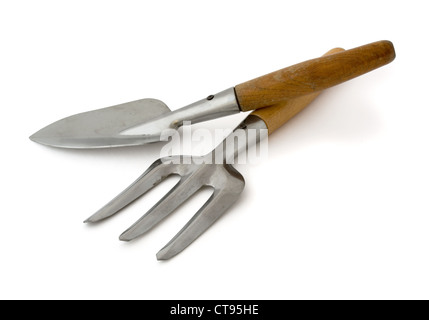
(195, 173)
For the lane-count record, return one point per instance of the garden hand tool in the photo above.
(143, 121)
(195, 173)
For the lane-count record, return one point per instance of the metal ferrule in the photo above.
(221, 104)
(239, 140)
(215, 106)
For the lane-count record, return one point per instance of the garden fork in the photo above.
(197, 172)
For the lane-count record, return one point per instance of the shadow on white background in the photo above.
(339, 209)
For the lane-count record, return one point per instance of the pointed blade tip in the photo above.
(36, 138)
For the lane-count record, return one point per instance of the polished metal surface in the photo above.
(100, 128)
(195, 173)
(133, 123)
(230, 147)
(215, 106)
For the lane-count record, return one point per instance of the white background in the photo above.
(339, 210)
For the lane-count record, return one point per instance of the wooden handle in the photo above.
(313, 75)
(278, 114)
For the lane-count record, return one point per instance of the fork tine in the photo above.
(216, 205)
(155, 174)
(186, 187)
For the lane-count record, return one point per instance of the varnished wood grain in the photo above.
(278, 114)
(313, 75)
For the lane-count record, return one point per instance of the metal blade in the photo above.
(101, 128)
